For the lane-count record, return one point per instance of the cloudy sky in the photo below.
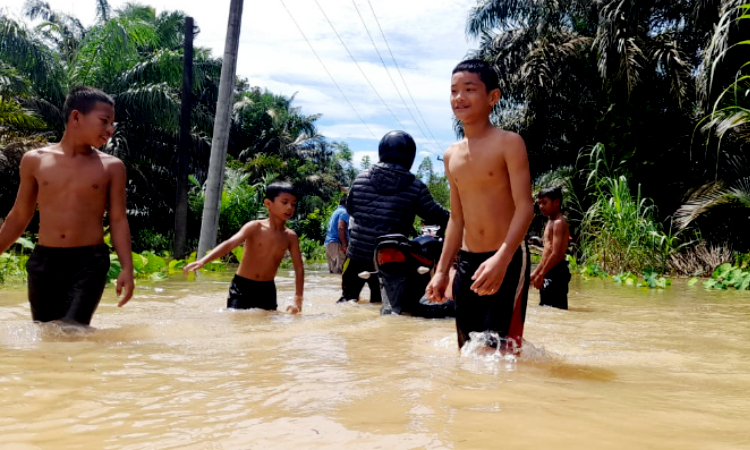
(426, 37)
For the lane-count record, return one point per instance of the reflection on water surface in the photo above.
(622, 369)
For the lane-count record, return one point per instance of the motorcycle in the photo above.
(404, 268)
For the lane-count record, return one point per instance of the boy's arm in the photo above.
(23, 208)
(559, 247)
(452, 242)
(223, 248)
(299, 272)
(120, 231)
(490, 274)
(341, 227)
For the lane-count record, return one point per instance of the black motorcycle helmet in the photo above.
(398, 147)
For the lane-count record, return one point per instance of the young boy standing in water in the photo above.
(552, 275)
(74, 185)
(266, 242)
(491, 209)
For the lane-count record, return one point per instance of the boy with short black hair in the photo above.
(73, 184)
(491, 209)
(266, 242)
(552, 275)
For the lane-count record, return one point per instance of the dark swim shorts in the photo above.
(66, 283)
(555, 290)
(503, 312)
(245, 293)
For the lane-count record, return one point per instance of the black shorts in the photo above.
(245, 293)
(504, 312)
(555, 290)
(66, 283)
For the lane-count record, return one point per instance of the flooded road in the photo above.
(623, 369)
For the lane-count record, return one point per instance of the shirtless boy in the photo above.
(491, 209)
(266, 243)
(74, 185)
(552, 275)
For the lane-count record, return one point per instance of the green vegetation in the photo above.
(735, 275)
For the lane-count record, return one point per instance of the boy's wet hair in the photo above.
(483, 69)
(552, 193)
(84, 99)
(277, 188)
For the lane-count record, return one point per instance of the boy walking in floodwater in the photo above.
(73, 184)
(552, 275)
(491, 209)
(266, 242)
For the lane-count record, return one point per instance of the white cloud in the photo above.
(426, 36)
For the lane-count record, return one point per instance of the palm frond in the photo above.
(22, 51)
(673, 64)
(13, 115)
(713, 195)
(492, 14)
(153, 103)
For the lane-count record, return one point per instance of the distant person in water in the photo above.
(552, 275)
(491, 209)
(74, 185)
(384, 199)
(337, 237)
(266, 242)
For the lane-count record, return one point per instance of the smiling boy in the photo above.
(491, 209)
(73, 184)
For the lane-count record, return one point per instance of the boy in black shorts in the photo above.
(266, 242)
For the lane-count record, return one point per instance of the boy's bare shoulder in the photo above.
(290, 234)
(109, 161)
(508, 139)
(454, 147)
(41, 152)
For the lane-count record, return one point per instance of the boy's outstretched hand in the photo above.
(125, 283)
(192, 267)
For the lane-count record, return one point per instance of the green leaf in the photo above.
(154, 264)
(692, 282)
(745, 283)
(176, 265)
(159, 276)
(709, 284)
(139, 262)
(722, 270)
(25, 243)
(114, 269)
(238, 253)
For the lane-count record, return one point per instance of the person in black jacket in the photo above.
(384, 200)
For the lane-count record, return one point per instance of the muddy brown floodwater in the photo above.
(623, 369)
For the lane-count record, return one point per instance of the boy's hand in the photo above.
(489, 276)
(436, 289)
(537, 281)
(193, 266)
(125, 282)
(296, 307)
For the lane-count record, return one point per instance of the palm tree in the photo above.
(620, 72)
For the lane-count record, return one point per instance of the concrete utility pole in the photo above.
(215, 182)
(183, 170)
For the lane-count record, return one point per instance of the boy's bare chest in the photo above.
(475, 168)
(268, 243)
(86, 179)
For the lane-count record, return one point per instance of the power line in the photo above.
(385, 66)
(399, 70)
(358, 66)
(326, 69)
